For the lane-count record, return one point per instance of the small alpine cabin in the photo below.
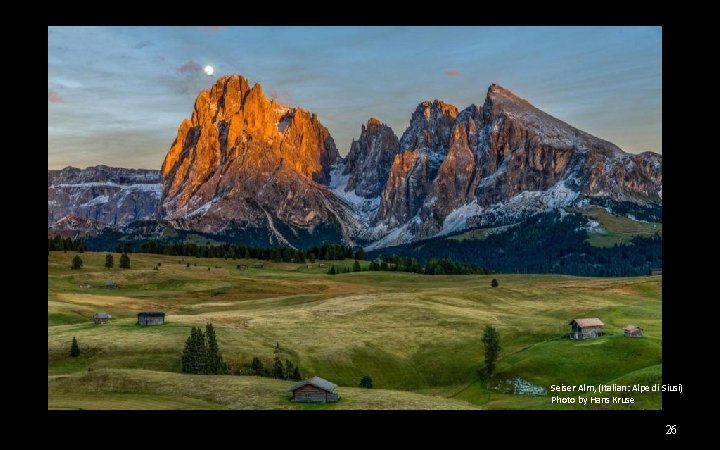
(102, 318)
(315, 389)
(151, 318)
(586, 328)
(633, 331)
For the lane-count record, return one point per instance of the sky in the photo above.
(116, 95)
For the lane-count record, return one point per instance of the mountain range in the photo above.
(247, 169)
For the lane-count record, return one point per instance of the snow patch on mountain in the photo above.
(456, 220)
(364, 209)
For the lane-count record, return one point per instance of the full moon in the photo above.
(209, 70)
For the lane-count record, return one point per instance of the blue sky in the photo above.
(116, 95)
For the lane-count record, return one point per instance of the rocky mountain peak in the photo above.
(429, 110)
(370, 157)
(495, 92)
(242, 157)
(430, 127)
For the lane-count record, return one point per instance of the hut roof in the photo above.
(151, 313)
(590, 322)
(102, 315)
(318, 382)
(632, 328)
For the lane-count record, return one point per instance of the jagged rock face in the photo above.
(101, 195)
(370, 158)
(508, 153)
(423, 147)
(246, 160)
(245, 164)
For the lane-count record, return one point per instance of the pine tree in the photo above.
(356, 266)
(109, 261)
(74, 348)
(256, 366)
(76, 262)
(124, 261)
(494, 283)
(366, 382)
(296, 374)
(215, 363)
(289, 369)
(332, 271)
(491, 342)
(187, 360)
(278, 371)
(194, 358)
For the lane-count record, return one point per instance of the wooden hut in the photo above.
(586, 328)
(315, 389)
(151, 318)
(111, 285)
(85, 286)
(656, 271)
(102, 318)
(259, 265)
(633, 331)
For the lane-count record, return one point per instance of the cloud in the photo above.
(190, 67)
(452, 72)
(54, 97)
(142, 44)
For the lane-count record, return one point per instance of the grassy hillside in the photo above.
(419, 337)
(616, 229)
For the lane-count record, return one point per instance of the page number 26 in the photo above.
(671, 429)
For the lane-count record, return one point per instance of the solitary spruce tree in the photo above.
(356, 266)
(109, 261)
(74, 348)
(124, 261)
(494, 283)
(366, 382)
(491, 342)
(332, 271)
(76, 262)
(296, 374)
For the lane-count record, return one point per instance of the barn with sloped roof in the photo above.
(314, 389)
(586, 328)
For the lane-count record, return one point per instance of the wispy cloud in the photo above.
(190, 67)
(452, 72)
(54, 97)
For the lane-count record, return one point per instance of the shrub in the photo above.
(366, 382)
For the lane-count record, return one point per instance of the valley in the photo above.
(418, 336)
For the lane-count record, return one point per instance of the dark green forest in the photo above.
(545, 243)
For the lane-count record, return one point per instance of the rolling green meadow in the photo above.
(418, 336)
